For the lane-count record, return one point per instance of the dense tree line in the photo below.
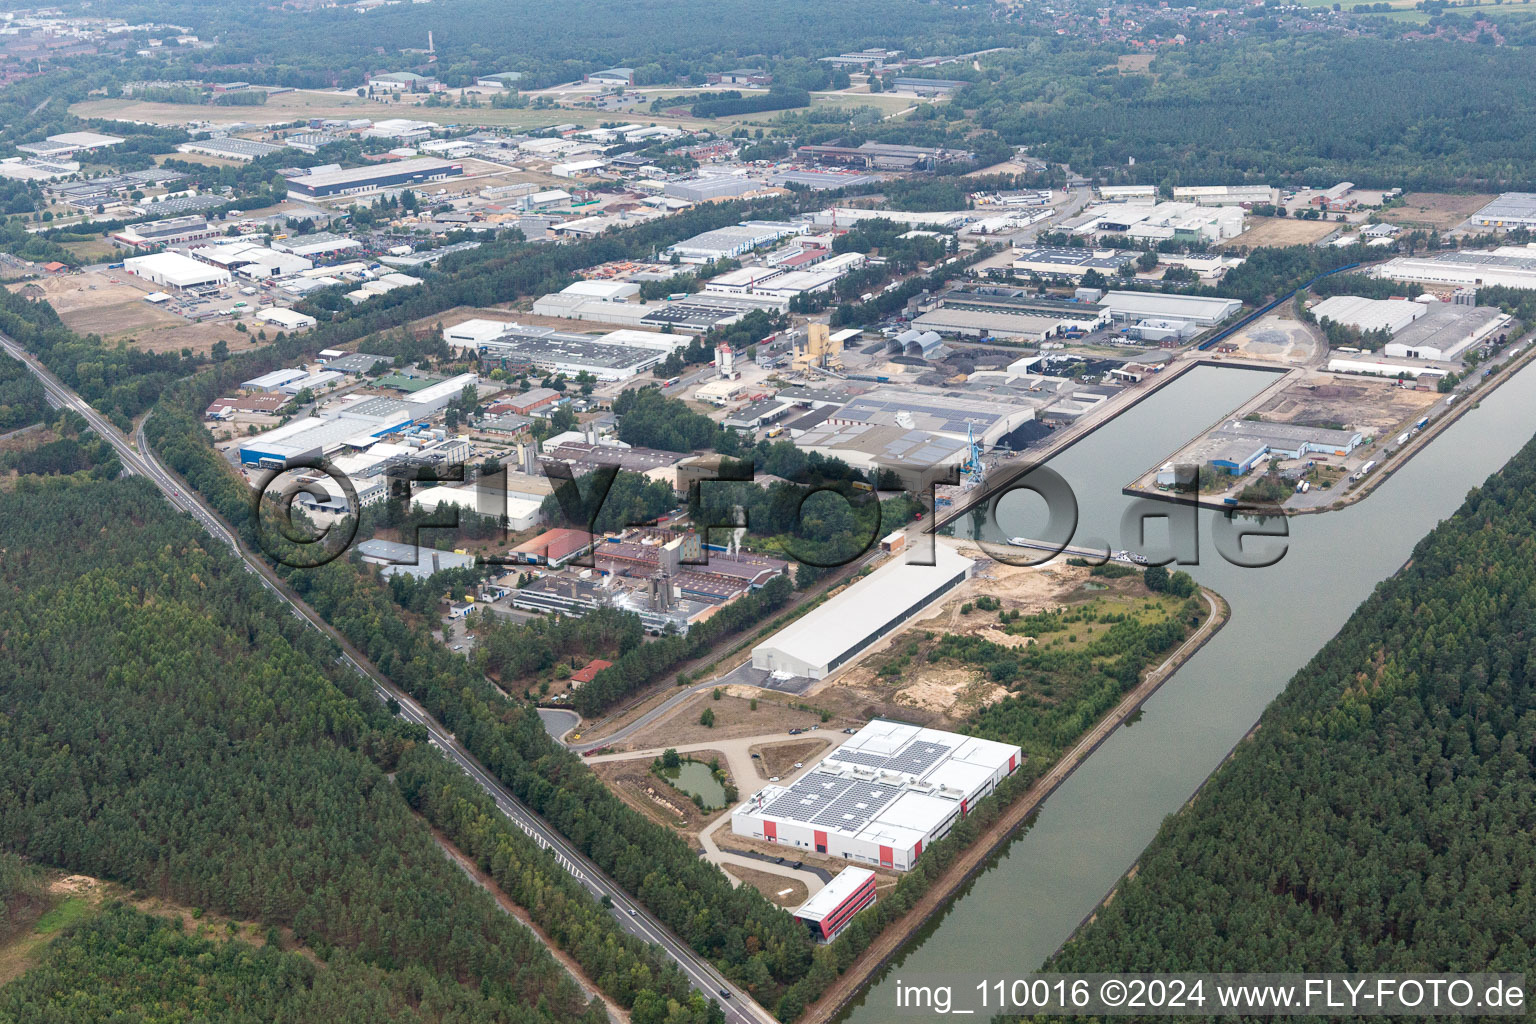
(631, 498)
(22, 399)
(513, 650)
(731, 103)
(122, 965)
(636, 974)
(169, 727)
(1379, 818)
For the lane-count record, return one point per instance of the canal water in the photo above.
(1038, 888)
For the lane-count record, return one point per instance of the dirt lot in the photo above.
(1281, 231)
(943, 696)
(1435, 210)
(1374, 407)
(1277, 338)
(636, 786)
(734, 718)
(781, 891)
(107, 303)
(781, 758)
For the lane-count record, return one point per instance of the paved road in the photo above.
(738, 756)
(633, 917)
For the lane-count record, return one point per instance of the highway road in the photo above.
(632, 917)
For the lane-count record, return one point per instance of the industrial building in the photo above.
(1226, 195)
(730, 242)
(1159, 222)
(917, 457)
(173, 270)
(947, 413)
(717, 186)
(829, 911)
(411, 559)
(1510, 265)
(1237, 446)
(880, 798)
(244, 150)
(1197, 309)
(1055, 261)
(1390, 315)
(272, 381)
(352, 181)
(519, 348)
(252, 261)
(355, 423)
(1510, 210)
(842, 628)
(929, 86)
(1445, 332)
(884, 156)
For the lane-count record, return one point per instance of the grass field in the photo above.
(302, 104)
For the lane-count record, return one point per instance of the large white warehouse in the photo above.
(840, 629)
(881, 797)
(173, 270)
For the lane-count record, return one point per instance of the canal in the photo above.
(1038, 888)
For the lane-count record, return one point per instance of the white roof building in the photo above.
(607, 291)
(840, 629)
(881, 797)
(1198, 309)
(173, 270)
(286, 319)
(1369, 314)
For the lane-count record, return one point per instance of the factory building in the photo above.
(1445, 332)
(1390, 315)
(883, 156)
(175, 271)
(252, 261)
(1510, 210)
(917, 457)
(889, 791)
(1226, 195)
(1510, 265)
(730, 242)
(947, 413)
(1062, 262)
(1238, 445)
(840, 629)
(1132, 307)
(545, 349)
(353, 181)
(717, 186)
(829, 911)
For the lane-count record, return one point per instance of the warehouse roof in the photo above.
(831, 630)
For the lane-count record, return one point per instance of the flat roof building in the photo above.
(1445, 332)
(829, 911)
(173, 270)
(1510, 265)
(730, 242)
(1198, 309)
(1390, 315)
(1059, 261)
(351, 181)
(1510, 210)
(552, 351)
(889, 791)
(840, 629)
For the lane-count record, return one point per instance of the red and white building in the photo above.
(881, 797)
(829, 911)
